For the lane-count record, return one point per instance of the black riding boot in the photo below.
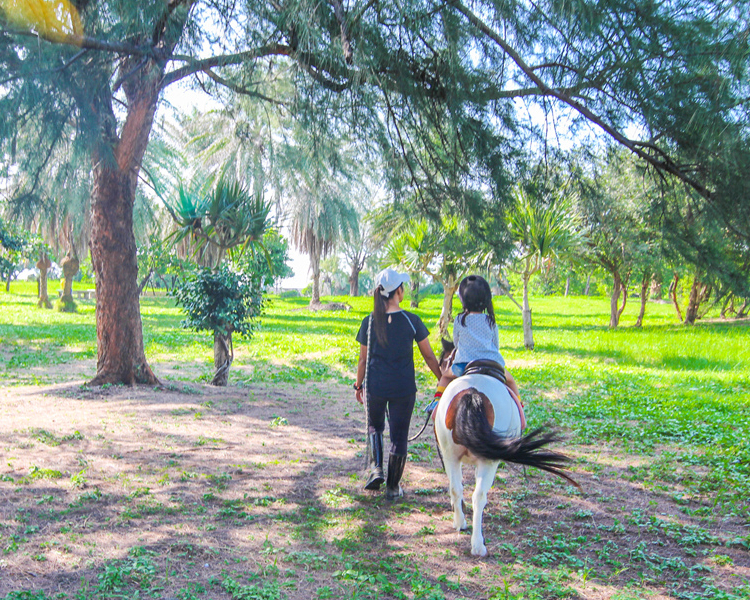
(375, 479)
(396, 464)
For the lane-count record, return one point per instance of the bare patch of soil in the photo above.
(191, 489)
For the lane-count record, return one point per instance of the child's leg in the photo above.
(442, 384)
(445, 380)
(512, 385)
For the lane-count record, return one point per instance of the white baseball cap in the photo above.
(390, 279)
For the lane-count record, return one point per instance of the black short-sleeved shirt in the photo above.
(391, 370)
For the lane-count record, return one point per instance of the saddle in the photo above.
(486, 367)
(496, 370)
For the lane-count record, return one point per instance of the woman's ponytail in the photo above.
(379, 316)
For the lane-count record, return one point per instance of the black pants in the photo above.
(399, 412)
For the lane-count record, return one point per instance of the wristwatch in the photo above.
(357, 387)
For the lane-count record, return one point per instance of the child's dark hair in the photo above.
(476, 296)
(379, 315)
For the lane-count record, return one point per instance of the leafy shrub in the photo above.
(223, 300)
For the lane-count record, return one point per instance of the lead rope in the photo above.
(364, 392)
(421, 431)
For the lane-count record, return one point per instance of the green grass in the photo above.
(670, 403)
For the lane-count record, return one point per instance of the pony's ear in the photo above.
(448, 345)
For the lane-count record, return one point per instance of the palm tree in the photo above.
(318, 180)
(541, 229)
(318, 220)
(411, 250)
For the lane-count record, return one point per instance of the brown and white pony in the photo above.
(478, 422)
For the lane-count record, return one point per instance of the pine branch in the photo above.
(197, 66)
(89, 43)
(665, 164)
(241, 89)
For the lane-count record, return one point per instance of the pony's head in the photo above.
(448, 347)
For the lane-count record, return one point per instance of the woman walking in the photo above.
(390, 333)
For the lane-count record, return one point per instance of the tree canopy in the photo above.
(443, 88)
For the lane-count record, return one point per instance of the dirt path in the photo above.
(199, 492)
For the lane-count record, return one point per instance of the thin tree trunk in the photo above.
(694, 301)
(644, 297)
(728, 306)
(704, 300)
(315, 266)
(528, 332)
(624, 300)
(7, 280)
(414, 290)
(449, 289)
(354, 280)
(223, 357)
(145, 280)
(588, 285)
(655, 289)
(567, 285)
(673, 295)
(614, 313)
(43, 264)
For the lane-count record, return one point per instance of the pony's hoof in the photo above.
(460, 526)
(481, 552)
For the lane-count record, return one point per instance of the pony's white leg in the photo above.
(456, 489)
(485, 477)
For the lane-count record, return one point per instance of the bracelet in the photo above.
(356, 387)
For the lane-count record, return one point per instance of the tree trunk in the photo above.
(614, 313)
(528, 332)
(704, 300)
(567, 285)
(655, 289)
(450, 286)
(315, 266)
(624, 300)
(7, 280)
(119, 332)
(694, 301)
(414, 291)
(354, 280)
(223, 357)
(644, 296)
(43, 264)
(144, 282)
(673, 295)
(588, 285)
(117, 160)
(728, 306)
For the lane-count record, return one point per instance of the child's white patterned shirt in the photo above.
(477, 339)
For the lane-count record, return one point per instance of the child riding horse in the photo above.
(479, 422)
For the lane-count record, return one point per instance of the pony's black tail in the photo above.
(473, 430)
